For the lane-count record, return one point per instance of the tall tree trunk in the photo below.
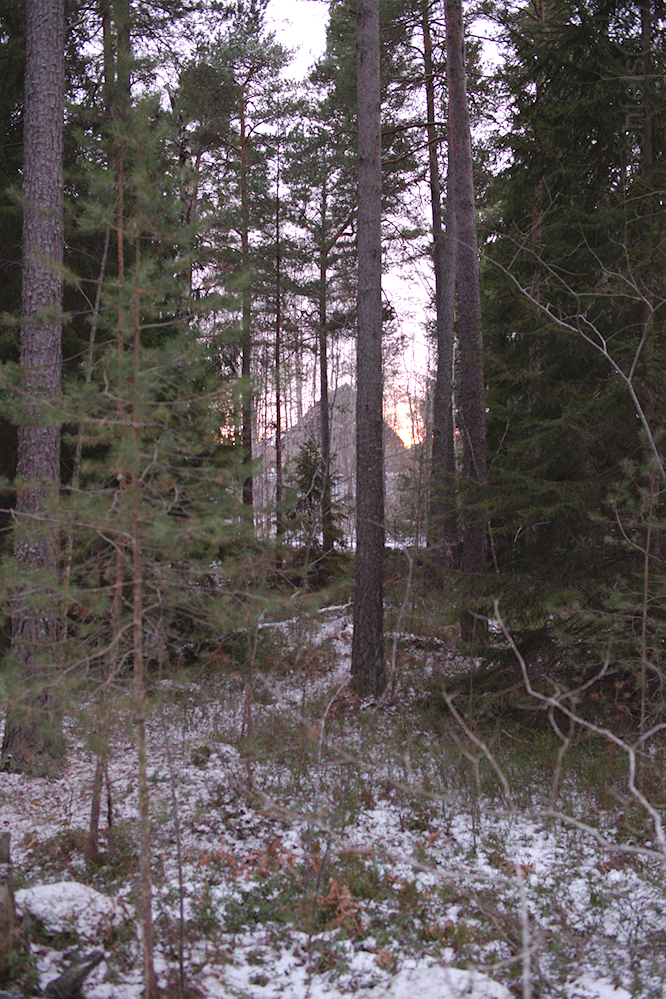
(328, 533)
(647, 207)
(279, 518)
(531, 535)
(368, 674)
(650, 280)
(33, 733)
(246, 332)
(109, 80)
(472, 412)
(122, 98)
(140, 705)
(442, 519)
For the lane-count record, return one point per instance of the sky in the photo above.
(300, 24)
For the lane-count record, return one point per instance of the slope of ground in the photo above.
(308, 845)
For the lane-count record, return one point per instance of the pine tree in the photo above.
(368, 674)
(228, 101)
(442, 514)
(156, 501)
(33, 738)
(471, 393)
(320, 172)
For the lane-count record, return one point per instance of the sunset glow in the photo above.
(406, 424)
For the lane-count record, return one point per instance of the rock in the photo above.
(68, 985)
(71, 907)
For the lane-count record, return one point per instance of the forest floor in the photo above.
(306, 844)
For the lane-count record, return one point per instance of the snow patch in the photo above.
(440, 983)
(589, 987)
(71, 907)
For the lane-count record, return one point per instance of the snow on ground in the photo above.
(429, 980)
(326, 850)
(70, 907)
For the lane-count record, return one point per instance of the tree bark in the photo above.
(246, 345)
(328, 533)
(442, 518)
(279, 513)
(8, 922)
(647, 207)
(531, 534)
(135, 503)
(33, 733)
(471, 408)
(368, 674)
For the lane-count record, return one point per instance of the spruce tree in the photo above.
(320, 172)
(573, 259)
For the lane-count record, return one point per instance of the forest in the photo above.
(331, 496)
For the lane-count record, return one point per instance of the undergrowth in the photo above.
(397, 830)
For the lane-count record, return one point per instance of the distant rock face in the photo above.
(71, 907)
(401, 464)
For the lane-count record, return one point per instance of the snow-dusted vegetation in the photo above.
(307, 386)
(306, 844)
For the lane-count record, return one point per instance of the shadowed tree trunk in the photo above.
(140, 705)
(531, 533)
(33, 733)
(442, 518)
(647, 209)
(279, 513)
(246, 335)
(328, 533)
(471, 404)
(368, 674)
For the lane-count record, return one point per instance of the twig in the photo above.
(605, 733)
(482, 746)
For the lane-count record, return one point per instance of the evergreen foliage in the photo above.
(571, 263)
(224, 245)
(309, 481)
